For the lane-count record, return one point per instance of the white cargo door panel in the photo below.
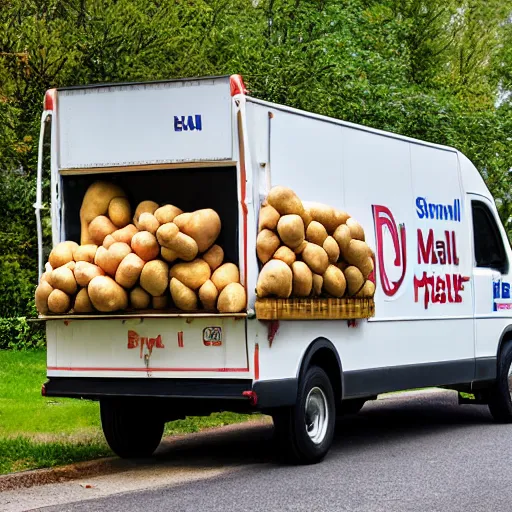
(175, 347)
(143, 124)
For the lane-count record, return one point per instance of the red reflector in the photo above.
(237, 85)
(252, 396)
(43, 390)
(49, 99)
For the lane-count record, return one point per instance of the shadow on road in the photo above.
(381, 422)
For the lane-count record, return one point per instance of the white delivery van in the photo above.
(443, 309)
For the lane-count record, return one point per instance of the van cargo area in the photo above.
(188, 189)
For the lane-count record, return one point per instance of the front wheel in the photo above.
(500, 395)
(305, 431)
(131, 430)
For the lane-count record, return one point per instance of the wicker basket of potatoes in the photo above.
(156, 258)
(315, 261)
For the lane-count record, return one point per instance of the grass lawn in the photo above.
(37, 432)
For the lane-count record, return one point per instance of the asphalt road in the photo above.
(421, 453)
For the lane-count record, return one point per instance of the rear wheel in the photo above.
(305, 431)
(131, 430)
(500, 395)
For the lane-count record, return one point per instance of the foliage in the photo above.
(434, 69)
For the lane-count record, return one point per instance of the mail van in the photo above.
(443, 306)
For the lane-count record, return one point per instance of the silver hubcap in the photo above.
(510, 380)
(317, 415)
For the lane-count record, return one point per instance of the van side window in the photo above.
(489, 249)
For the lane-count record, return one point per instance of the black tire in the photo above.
(500, 402)
(131, 431)
(293, 440)
(352, 406)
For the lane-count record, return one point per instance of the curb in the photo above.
(31, 478)
(108, 465)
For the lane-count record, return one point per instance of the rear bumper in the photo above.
(218, 394)
(95, 388)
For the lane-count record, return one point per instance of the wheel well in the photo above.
(506, 338)
(323, 354)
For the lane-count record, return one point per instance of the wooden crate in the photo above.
(314, 309)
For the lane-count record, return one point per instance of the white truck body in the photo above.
(441, 309)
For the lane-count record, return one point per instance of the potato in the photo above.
(342, 236)
(83, 303)
(291, 230)
(160, 302)
(119, 211)
(182, 219)
(129, 270)
(367, 291)
(208, 294)
(139, 298)
(124, 235)
(184, 246)
(332, 249)
(232, 299)
(326, 215)
(145, 245)
(267, 244)
(168, 254)
(225, 274)
(71, 244)
(85, 271)
(99, 228)
(96, 202)
(285, 201)
(154, 277)
(166, 233)
(167, 213)
(192, 274)
(302, 279)
(183, 297)
(63, 279)
(275, 279)
(269, 217)
(110, 259)
(357, 254)
(204, 227)
(355, 280)
(356, 230)
(148, 222)
(109, 240)
(106, 295)
(367, 267)
(214, 256)
(334, 281)
(285, 254)
(316, 258)
(60, 255)
(58, 301)
(143, 207)
(300, 249)
(46, 277)
(70, 265)
(316, 233)
(318, 283)
(41, 297)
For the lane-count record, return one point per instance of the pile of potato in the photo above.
(159, 258)
(310, 250)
